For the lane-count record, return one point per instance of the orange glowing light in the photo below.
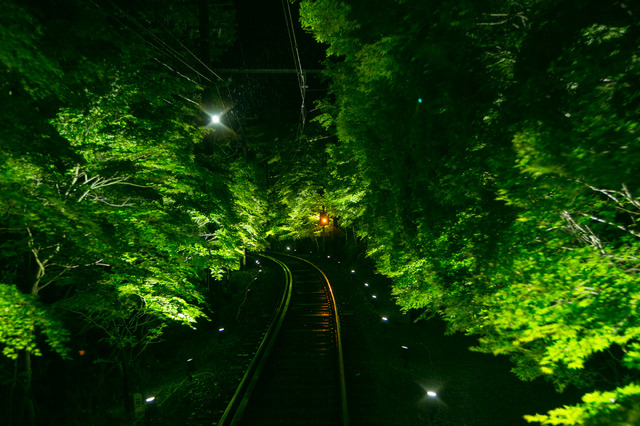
(81, 352)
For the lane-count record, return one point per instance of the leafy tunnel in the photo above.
(483, 154)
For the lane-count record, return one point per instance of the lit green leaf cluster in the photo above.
(22, 320)
(620, 407)
(106, 205)
(492, 150)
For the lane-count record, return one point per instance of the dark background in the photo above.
(263, 43)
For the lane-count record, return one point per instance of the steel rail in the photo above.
(343, 384)
(238, 402)
(233, 414)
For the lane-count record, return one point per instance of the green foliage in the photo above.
(397, 173)
(249, 205)
(620, 407)
(562, 313)
(297, 192)
(103, 199)
(331, 23)
(22, 319)
(20, 34)
(506, 199)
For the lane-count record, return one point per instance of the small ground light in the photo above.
(191, 368)
(366, 284)
(385, 319)
(432, 394)
(288, 248)
(353, 271)
(151, 410)
(221, 329)
(257, 262)
(405, 356)
(374, 296)
(419, 100)
(215, 119)
(259, 270)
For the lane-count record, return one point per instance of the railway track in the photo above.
(297, 374)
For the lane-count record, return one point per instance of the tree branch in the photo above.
(583, 233)
(108, 203)
(97, 182)
(76, 176)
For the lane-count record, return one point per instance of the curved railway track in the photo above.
(297, 374)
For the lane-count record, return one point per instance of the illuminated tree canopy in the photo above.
(113, 202)
(486, 152)
(491, 151)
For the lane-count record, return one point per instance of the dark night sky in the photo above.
(262, 42)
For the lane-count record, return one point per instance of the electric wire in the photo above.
(187, 49)
(168, 50)
(293, 44)
(164, 48)
(157, 43)
(177, 72)
(172, 52)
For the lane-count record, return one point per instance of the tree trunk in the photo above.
(28, 401)
(9, 403)
(124, 374)
(28, 369)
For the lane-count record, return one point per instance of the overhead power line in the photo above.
(156, 42)
(188, 50)
(263, 71)
(293, 44)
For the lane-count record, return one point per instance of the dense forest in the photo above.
(488, 153)
(116, 198)
(484, 152)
